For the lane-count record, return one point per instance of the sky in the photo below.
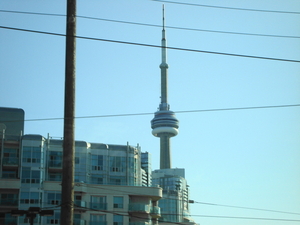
(232, 155)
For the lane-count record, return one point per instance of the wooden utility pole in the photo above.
(67, 200)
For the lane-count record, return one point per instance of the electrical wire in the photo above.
(225, 7)
(243, 207)
(175, 214)
(185, 111)
(154, 25)
(102, 187)
(154, 46)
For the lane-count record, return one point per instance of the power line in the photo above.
(155, 46)
(247, 218)
(211, 216)
(159, 26)
(185, 111)
(242, 207)
(225, 7)
(102, 187)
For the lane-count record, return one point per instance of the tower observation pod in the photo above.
(164, 124)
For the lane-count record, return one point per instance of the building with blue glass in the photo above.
(112, 182)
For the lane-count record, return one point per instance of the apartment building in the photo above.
(112, 182)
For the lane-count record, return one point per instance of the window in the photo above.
(98, 162)
(30, 198)
(118, 220)
(54, 176)
(31, 155)
(55, 219)
(97, 179)
(98, 202)
(118, 202)
(11, 174)
(55, 159)
(8, 199)
(54, 198)
(30, 176)
(97, 219)
(117, 180)
(10, 156)
(117, 164)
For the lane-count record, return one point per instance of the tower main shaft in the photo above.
(164, 123)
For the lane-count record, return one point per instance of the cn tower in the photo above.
(164, 124)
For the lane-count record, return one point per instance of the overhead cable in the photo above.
(155, 46)
(243, 207)
(105, 187)
(154, 25)
(185, 111)
(226, 7)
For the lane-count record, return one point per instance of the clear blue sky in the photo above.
(247, 158)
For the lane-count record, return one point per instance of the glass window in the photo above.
(118, 202)
(118, 220)
(30, 198)
(55, 176)
(98, 162)
(97, 179)
(98, 202)
(55, 159)
(54, 198)
(8, 199)
(31, 154)
(117, 180)
(11, 174)
(117, 164)
(97, 219)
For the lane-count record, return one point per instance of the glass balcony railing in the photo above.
(10, 161)
(9, 221)
(140, 223)
(101, 206)
(79, 204)
(9, 202)
(79, 222)
(98, 223)
(139, 207)
(55, 163)
(155, 210)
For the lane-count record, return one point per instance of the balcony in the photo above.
(98, 223)
(9, 221)
(140, 223)
(98, 206)
(9, 202)
(139, 208)
(10, 162)
(80, 205)
(79, 222)
(155, 212)
(55, 165)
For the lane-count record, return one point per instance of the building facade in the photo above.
(112, 182)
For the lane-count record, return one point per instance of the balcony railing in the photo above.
(10, 161)
(155, 211)
(55, 163)
(140, 223)
(8, 202)
(139, 207)
(98, 223)
(79, 204)
(79, 222)
(101, 206)
(9, 221)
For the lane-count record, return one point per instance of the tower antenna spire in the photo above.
(164, 124)
(163, 16)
